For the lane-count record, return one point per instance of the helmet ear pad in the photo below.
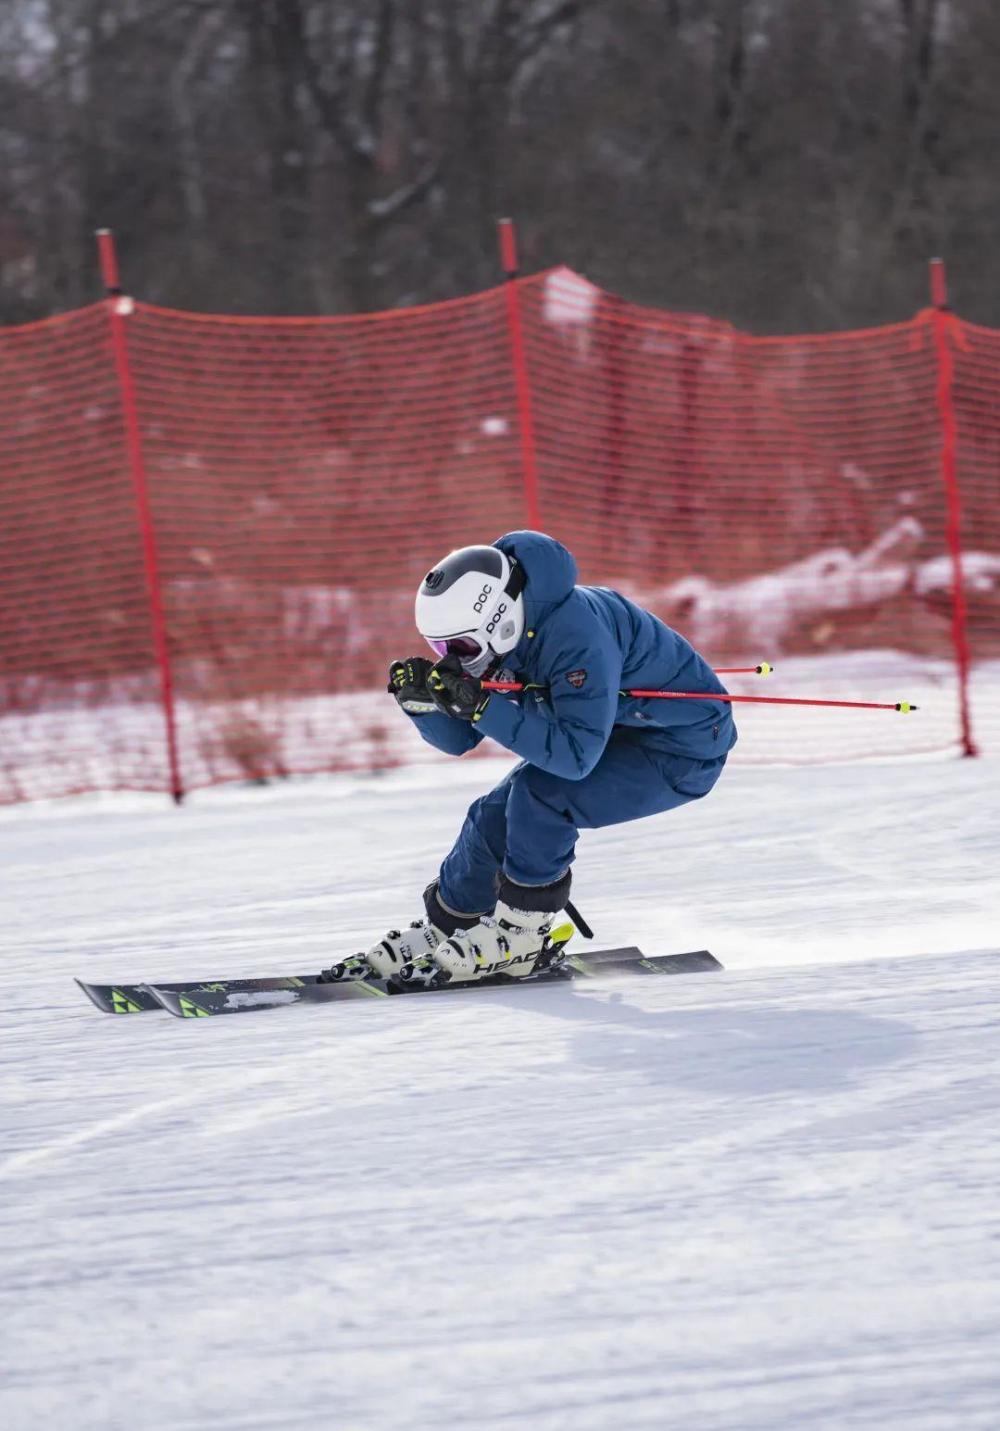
(508, 631)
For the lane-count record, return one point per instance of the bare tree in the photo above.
(780, 164)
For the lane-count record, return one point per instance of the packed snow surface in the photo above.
(761, 1199)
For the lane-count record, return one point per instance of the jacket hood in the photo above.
(550, 569)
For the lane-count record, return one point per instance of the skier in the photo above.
(590, 754)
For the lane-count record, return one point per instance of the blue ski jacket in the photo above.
(582, 647)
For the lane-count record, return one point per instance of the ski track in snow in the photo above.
(748, 1201)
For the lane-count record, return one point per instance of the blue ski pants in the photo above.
(527, 825)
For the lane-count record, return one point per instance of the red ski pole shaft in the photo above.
(763, 669)
(772, 700)
(904, 706)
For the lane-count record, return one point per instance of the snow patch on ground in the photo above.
(749, 1201)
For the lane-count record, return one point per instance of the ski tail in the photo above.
(693, 961)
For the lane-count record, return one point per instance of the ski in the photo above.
(135, 998)
(199, 1002)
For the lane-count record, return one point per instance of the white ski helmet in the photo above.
(470, 606)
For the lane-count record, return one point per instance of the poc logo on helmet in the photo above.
(482, 598)
(491, 625)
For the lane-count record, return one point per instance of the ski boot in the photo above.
(514, 941)
(403, 956)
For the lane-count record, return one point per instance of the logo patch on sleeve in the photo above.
(577, 678)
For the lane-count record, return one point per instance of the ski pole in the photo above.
(904, 706)
(763, 669)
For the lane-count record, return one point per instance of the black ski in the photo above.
(205, 1002)
(136, 998)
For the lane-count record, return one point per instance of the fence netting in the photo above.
(775, 499)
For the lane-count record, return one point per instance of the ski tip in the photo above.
(96, 996)
(116, 999)
(182, 1005)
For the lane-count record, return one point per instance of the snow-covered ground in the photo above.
(760, 1200)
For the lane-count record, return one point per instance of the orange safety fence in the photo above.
(212, 528)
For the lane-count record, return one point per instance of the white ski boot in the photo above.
(404, 955)
(513, 941)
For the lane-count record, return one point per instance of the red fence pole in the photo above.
(942, 321)
(119, 308)
(525, 418)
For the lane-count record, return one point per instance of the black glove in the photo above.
(455, 691)
(408, 683)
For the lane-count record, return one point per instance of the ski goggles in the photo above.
(466, 648)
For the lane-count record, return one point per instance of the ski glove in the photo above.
(455, 691)
(408, 683)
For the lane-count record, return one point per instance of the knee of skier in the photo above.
(695, 778)
(535, 785)
(486, 825)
